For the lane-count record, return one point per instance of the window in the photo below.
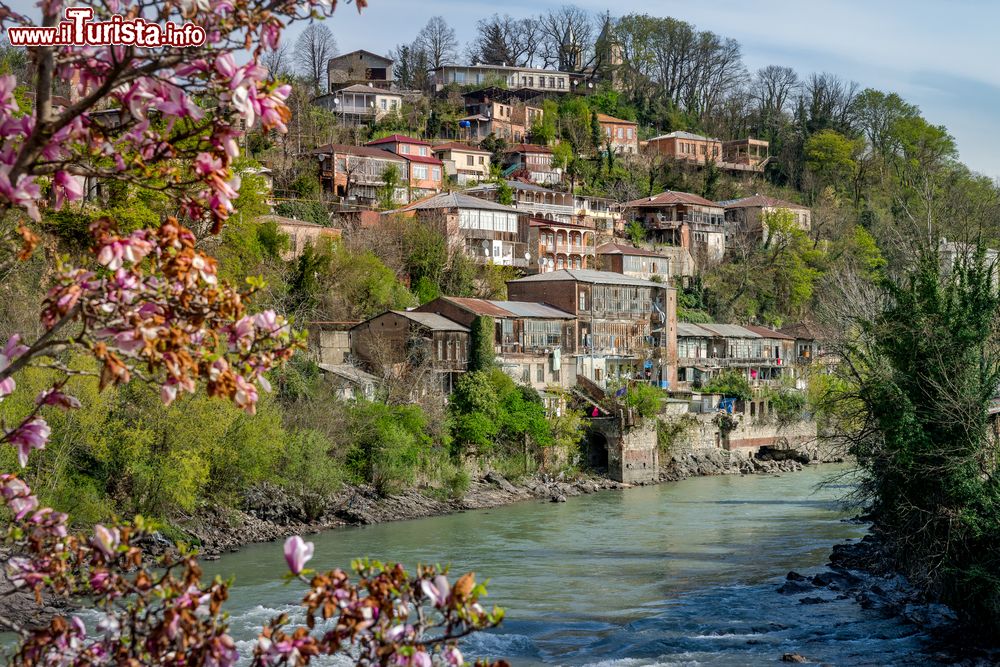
(395, 104)
(540, 373)
(481, 160)
(562, 83)
(420, 172)
(436, 173)
(607, 131)
(404, 149)
(541, 82)
(423, 151)
(583, 301)
(459, 77)
(552, 82)
(385, 104)
(621, 133)
(440, 349)
(629, 132)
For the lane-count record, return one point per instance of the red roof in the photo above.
(425, 159)
(605, 118)
(398, 138)
(529, 148)
(361, 151)
(670, 198)
(763, 201)
(456, 146)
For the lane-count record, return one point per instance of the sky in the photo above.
(940, 55)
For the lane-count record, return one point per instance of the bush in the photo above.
(787, 405)
(732, 384)
(310, 469)
(645, 399)
(490, 414)
(388, 443)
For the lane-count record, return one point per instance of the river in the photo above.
(677, 574)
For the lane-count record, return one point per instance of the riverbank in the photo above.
(269, 513)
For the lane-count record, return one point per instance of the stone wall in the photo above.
(633, 455)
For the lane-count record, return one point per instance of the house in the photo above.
(330, 342)
(348, 382)
(534, 162)
(425, 171)
(626, 327)
(687, 147)
(812, 342)
(360, 104)
(704, 351)
(531, 340)
(487, 231)
(747, 152)
(506, 114)
(603, 214)
(684, 220)
(463, 163)
(531, 78)
(621, 135)
(746, 217)
(359, 67)
(646, 264)
(533, 200)
(406, 342)
(559, 245)
(300, 233)
(357, 173)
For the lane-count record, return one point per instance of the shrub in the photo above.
(733, 384)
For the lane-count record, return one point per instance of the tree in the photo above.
(832, 157)
(278, 63)
(503, 40)
(481, 343)
(437, 39)
(148, 304)
(387, 191)
(313, 50)
(557, 27)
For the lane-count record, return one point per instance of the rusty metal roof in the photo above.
(670, 198)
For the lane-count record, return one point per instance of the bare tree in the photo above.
(278, 62)
(504, 40)
(773, 88)
(437, 39)
(827, 101)
(568, 23)
(313, 50)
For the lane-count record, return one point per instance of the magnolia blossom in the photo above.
(437, 590)
(106, 539)
(30, 435)
(453, 656)
(298, 552)
(11, 351)
(58, 399)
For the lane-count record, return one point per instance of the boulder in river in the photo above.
(794, 657)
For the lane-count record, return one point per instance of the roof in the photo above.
(494, 308)
(683, 135)
(761, 201)
(502, 68)
(357, 51)
(692, 330)
(431, 321)
(281, 220)
(361, 88)
(425, 159)
(456, 146)
(805, 331)
(456, 200)
(729, 330)
(400, 138)
(588, 276)
(764, 332)
(542, 222)
(361, 151)
(349, 372)
(605, 118)
(516, 185)
(619, 249)
(670, 198)
(529, 148)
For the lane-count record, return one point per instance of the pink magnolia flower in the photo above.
(246, 395)
(67, 188)
(58, 399)
(21, 505)
(437, 591)
(453, 656)
(106, 540)
(298, 552)
(28, 436)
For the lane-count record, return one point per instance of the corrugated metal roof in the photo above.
(361, 88)
(729, 330)
(349, 372)
(398, 138)
(692, 330)
(619, 249)
(669, 198)
(432, 321)
(456, 200)
(605, 118)
(761, 201)
(680, 134)
(588, 276)
(764, 332)
(531, 309)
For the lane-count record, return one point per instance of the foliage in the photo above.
(672, 432)
(387, 191)
(481, 345)
(635, 232)
(307, 211)
(490, 414)
(388, 443)
(732, 383)
(645, 399)
(787, 405)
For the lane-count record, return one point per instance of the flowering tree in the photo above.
(148, 305)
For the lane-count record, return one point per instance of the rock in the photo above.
(558, 498)
(794, 587)
(794, 657)
(795, 576)
(812, 600)
(495, 478)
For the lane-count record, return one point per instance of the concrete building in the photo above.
(559, 245)
(746, 217)
(533, 200)
(426, 172)
(357, 173)
(506, 114)
(603, 214)
(622, 135)
(348, 382)
(531, 78)
(684, 220)
(432, 346)
(360, 104)
(360, 66)
(464, 164)
(687, 147)
(531, 340)
(533, 162)
(626, 327)
(488, 232)
(749, 152)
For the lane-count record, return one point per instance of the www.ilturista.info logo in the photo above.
(78, 29)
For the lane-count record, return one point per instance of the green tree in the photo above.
(387, 191)
(481, 343)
